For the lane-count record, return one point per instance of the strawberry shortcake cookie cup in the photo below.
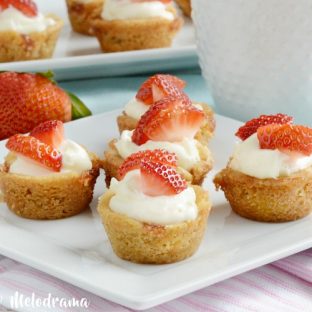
(269, 176)
(46, 176)
(82, 14)
(154, 89)
(170, 124)
(25, 33)
(150, 214)
(136, 24)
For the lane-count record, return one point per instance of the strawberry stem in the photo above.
(79, 109)
(49, 75)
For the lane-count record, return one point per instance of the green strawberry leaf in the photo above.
(49, 75)
(79, 109)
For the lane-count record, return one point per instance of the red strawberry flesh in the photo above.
(50, 132)
(286, 138)
(250, 127)
(158, 179)
(40, 152)
(134, 161)
(159, 86)
(26, 100)
(175, 125)
(170, 119)
(27, 7)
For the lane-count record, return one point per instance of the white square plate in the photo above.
(76, 249)
(74, 53)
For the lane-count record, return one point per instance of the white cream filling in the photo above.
(12, 19)
(186, 150)
(127, 9)
(75, 159)
(129, 200)
(135, 108)
(250, 159)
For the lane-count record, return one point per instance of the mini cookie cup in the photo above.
(16, 46)
(48, 197)
(268, 200)
(82, 15)
(136, 34)
(141, 242)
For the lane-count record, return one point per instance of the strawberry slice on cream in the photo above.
(268, 177)
(27, 7)
(171, 124)
(45, 151)
(151, 214)
(151, 177)
(271, 147)
(22, 16)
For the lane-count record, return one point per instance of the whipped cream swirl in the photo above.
(186, 150)
(129, 200)
(75, 159)
(250, 159)
(12, 19)
(127, 9)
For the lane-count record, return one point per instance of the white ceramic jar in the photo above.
(256, 55)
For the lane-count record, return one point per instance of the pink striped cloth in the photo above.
(285, 285)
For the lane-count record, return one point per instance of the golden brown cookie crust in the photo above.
(185, 5)
(269, 200)
(139, 34)
(50, 197)
(204, 135)
(140, 242)
(112, 161)
(15, 46)
(82, 15)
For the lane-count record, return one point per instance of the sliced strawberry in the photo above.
(27, 7)
(159, 179)
(159, 86)
(164, 86)
(32, 148)
(251, 126)
(157, 156)
(4, 4)
(50, 132)
(138, 135)
(175, 125)
(179, 83)
(290, 138)
(159, 110)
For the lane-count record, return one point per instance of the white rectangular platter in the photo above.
(76, 249)
(75, 53)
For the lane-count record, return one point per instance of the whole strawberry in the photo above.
(27, 99)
